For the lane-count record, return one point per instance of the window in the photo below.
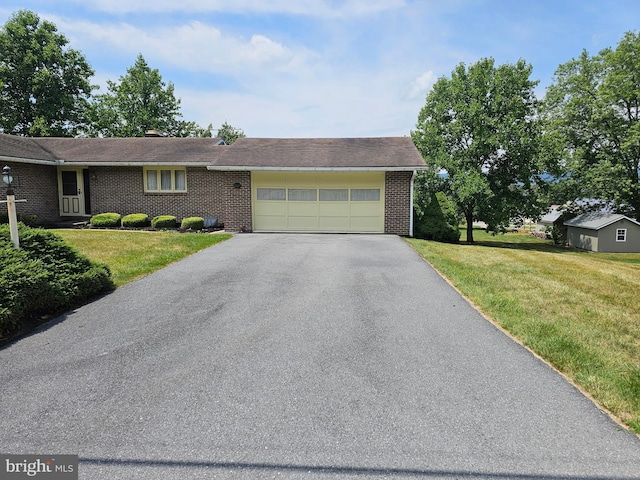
(334, 194)
(165, 180)
(365, 194)
(271, 194)
(303, 194)
(621, 235)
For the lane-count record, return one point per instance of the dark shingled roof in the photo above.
(137, 150)
(23, 148)
(311, 153)
(384, 153)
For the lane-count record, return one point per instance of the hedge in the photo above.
(192, 223)
(106, 220)
(438, 222)
(45, 276)
(136, 220)
(164, 221)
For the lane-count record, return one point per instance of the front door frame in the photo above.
(73, 204)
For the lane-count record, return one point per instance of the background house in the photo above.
(311, 185)
(604, 232)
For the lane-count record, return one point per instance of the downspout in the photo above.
(413, 176)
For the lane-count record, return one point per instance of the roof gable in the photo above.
(24, 148)
(597, 220)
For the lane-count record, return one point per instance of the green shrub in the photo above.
(26, 218)
(192, 223)
(136, 220)
(106, 220)
(164, 221)
(439, 221)
(43, 277)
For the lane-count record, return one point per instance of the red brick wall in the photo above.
(121, 190)
(209, 194)
(237, 201)
(397, 202)
(38, 184)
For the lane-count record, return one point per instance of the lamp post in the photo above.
(11, 206)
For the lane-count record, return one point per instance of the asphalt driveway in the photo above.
(299, 356)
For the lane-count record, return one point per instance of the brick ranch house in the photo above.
(256, 184)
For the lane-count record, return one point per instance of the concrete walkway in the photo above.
(299, 356)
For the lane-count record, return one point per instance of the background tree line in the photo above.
(500, 154)
(45, 90)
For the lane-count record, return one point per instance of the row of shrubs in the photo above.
(43, 277)
(142, 220)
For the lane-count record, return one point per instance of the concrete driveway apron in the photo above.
(299, 356)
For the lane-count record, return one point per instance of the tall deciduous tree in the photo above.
(44, 85)
(592, 113)
(139, 102)
(480, 127)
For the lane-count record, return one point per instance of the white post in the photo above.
(13, 220)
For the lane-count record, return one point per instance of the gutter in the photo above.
(246, 168)
(130, 164)
(413, 176)
(51, 163)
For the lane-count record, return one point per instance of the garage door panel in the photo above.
(302, 209)
(273, 223)
(333, 209)
(366, 224)
(365, 209)
(307, 224)
(271, 208)
(318, 201)
(334, 224)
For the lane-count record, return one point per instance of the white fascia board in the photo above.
(52, 163)
(132, 164)
(227, 168)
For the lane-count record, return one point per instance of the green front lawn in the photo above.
(577, 310)
(132, 254)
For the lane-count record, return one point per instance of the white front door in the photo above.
(71, 189)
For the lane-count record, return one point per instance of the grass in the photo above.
(577, 310)
(133, 254)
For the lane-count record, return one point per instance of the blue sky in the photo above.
(325, 68)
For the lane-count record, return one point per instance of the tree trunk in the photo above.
(469, 216)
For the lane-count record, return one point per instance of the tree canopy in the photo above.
(139, 102)
(44, 85)
(592, 114)
(229, 134)
(480, 127)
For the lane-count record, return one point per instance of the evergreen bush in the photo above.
(43, 277)
(106, 220)
(439, 221)
(164, 221)
(136, 220)
(192, 223)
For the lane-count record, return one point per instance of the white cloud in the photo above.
(195, 47)
(421, 85)
(316, 8)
